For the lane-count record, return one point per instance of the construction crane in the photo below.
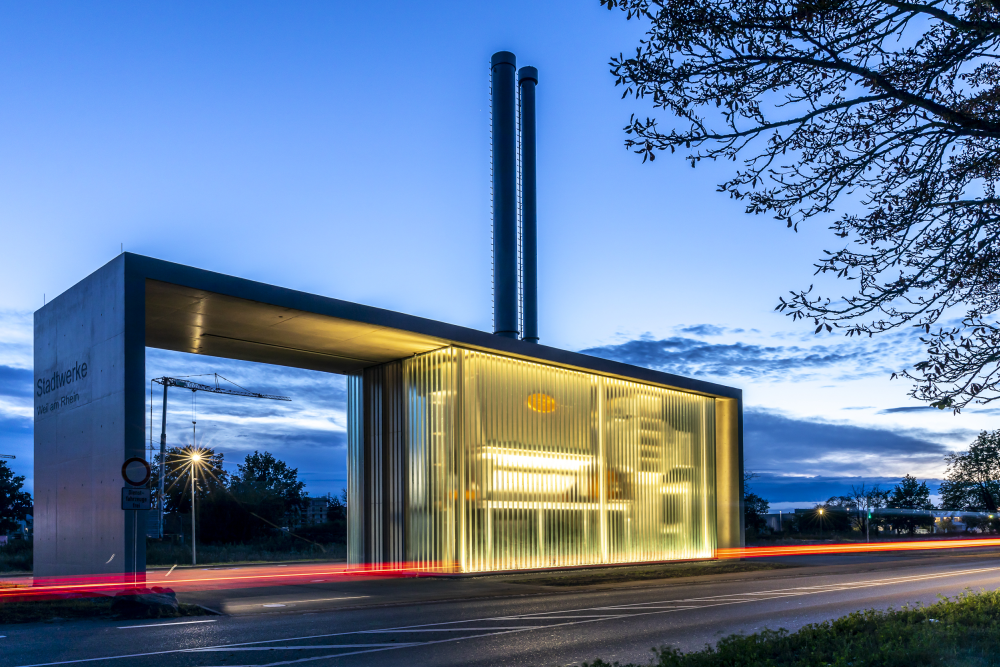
(181, 383)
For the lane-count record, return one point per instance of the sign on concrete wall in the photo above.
(89, 373)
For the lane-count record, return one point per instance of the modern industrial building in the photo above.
(467, 451)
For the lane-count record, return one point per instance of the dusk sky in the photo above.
(344, 149)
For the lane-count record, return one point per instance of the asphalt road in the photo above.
(490, 622)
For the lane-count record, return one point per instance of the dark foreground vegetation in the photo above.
(129, 605)
(312, 543)
(276, 549)
(958, 632)
(15, 556)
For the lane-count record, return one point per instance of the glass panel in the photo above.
(430, 386)
(355, 471)
(517, 465)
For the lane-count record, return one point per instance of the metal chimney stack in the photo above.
(505, 318)
(510, 299)
(527, 79)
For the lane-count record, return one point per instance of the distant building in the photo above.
(314, 510)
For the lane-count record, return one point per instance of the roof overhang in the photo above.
(203, 312)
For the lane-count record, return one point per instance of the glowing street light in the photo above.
(196, 459)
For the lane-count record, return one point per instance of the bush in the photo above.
(280, 548)
(957, 631)
(16, 556)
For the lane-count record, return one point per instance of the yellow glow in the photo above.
(605, 471)
(542, 403)
(529, 482)
(521, 458)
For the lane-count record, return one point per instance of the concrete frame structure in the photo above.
(90, 388)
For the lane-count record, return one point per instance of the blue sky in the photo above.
(343, 149)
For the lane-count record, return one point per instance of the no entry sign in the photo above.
(135, 471)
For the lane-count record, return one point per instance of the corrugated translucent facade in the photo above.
(508, 464)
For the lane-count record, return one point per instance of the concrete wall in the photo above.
(89, 376)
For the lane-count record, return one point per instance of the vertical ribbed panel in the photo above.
(432, 480)
(355, 471)
(380, 463)
(516, 465)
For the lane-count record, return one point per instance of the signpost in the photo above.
(136, 472)
(136, 499)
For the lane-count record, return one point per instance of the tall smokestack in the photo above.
(504, 195)
(527, 79)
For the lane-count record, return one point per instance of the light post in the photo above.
(821, 522)
(195, 462)
(195, 458)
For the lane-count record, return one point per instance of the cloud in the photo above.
(804, 492)
(308, 432)
(15, 381)
(780, 445)
(16, 339)
(692, 357)
(16, 438)
(910, 408)
(703, 330)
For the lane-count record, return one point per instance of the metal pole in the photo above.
(194, 472)
(163, 461)
(527, 80)
(503, 67)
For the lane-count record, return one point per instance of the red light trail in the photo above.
(236, 577)
(856, 547)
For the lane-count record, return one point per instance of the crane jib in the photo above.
(197, 386)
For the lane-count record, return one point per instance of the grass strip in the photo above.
(227, 554)
(33, 611)
(646, 572)
(963, 631)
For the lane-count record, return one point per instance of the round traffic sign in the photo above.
(136, 471)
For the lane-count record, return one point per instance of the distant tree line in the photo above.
(971, 484)
(15, 502)
(263, 499)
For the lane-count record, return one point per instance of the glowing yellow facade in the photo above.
(466, 461)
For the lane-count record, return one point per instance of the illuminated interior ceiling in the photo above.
(192, 320)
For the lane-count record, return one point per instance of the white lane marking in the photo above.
(774, 594)
(163, 625)
(308, 647)
(346, 597)
(498, 627)
(294, 602)
(531, 618)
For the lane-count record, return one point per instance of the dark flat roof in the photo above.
(203, 312)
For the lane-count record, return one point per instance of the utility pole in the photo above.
(163, 464)
(194, 472)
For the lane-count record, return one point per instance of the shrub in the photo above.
(958, 631)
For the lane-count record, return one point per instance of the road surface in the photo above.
(492, 622)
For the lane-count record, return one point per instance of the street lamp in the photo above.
(196, 459)
(821, 522)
